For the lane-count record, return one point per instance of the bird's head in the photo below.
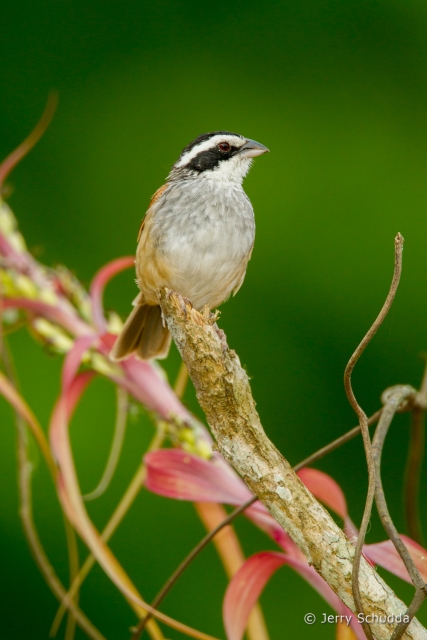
(219, 155)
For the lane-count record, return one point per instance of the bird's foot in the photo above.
(208, 316)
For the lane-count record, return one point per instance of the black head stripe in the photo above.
(207, 136)
(204, 160)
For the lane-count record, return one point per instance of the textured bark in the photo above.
(224, 394)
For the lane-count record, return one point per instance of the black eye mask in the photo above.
(210, 159)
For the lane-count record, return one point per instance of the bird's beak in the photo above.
(251, 149)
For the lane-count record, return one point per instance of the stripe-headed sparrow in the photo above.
(196, 238)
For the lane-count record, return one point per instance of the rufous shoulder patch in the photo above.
(153, 200)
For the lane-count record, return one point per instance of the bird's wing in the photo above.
(152, 270)
(153, 200)
(243, 273)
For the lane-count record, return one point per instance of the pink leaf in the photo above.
(147, 385)
(184, 476)
(245, 588)
(99, 282)
(385, 555)
(248, 583)
(76, 389)
(63, 411)
(72, 389)
(73, 359)
(325, 489)
(71, 322)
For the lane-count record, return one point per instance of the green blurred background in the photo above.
(337, 89)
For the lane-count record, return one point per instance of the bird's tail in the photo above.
(143, 334)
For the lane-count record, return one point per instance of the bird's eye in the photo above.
(224, 147)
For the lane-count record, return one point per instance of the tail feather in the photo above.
(143, 334)
(155, 339)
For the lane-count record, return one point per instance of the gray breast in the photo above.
(205, 230)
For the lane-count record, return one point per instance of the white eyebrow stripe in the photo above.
(208, 144)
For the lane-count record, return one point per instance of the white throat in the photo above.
(232, 170)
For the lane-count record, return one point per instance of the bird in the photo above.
(196, 238)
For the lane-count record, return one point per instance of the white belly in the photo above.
(206, 234)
